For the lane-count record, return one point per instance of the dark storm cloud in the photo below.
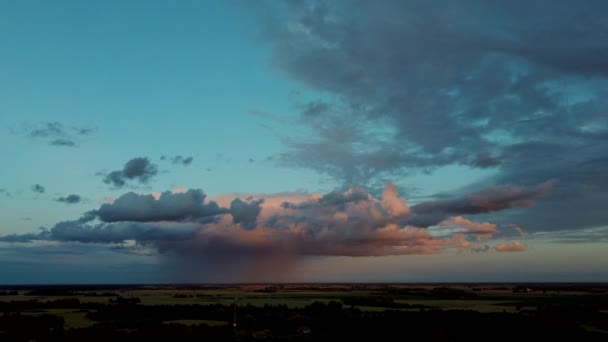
(37, 188)
(411, 86)
(139, 169)
(57, 134)
(70, 199)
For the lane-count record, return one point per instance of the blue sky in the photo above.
(362, 141)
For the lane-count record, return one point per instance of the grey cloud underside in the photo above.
(188, 206)
(140, 169)
(411, 86)
(489, 200)
(173, 216)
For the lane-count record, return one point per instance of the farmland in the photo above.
(72, 312)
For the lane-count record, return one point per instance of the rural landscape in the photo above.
(303, 170)
(304, 312)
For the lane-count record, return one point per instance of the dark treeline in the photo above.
(127, 320)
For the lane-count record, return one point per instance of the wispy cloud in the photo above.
(57, 134)
(178, 160)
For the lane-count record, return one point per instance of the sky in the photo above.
(303, 141)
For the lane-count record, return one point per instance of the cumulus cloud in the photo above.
(185, 206)
(186, 223)
(515, 246)
(411, 86)
(139, 169)
(37, 188)
(70, 199)
(57, 134)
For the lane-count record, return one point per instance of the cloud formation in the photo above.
(139, 169)
(70, 199)
(412, 86)
(37, 188)
(179, 160)
(57, 134)
(187, 206)
(246, 236)
(350, 223)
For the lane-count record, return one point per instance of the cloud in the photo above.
(413, 86)
(593, 235)
(485, 228)
(57, 134)
(139, 169)
(521, 232)
(180, 160)
(70, 199)
(236, 234)
(350, 223)
(245, 213)
(5, 192)
(515, 246)
(186, 206)
(27, 237)
(62, 142)
(37, 188)
(492, 199)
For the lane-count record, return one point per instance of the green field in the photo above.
(72, 318)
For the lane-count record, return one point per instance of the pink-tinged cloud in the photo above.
(470, 227)
(521, 232)
(397, 207)
(349, 223)
(515, 246)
